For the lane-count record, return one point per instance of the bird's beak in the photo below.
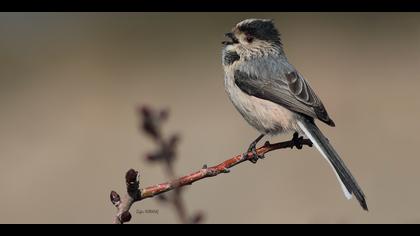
(232, 37)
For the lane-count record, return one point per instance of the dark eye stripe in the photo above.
(263, 30)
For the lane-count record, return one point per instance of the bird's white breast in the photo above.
(267, 117)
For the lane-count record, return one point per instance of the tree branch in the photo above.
(135, 194)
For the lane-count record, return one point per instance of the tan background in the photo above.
(69, 85)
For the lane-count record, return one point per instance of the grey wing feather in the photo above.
(292, 92)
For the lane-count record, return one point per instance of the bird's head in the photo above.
(254, 37)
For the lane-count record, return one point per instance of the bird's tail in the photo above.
(347, 181)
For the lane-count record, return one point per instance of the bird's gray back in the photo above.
(270, 67)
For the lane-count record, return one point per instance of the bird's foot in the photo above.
(252, 149)
(255, 156)
(297, 141)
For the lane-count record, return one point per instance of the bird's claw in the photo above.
(297, 141)
(252, 149)
(255, 156)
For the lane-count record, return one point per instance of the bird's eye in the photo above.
(249, 39)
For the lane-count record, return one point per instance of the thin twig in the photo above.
(135, 195)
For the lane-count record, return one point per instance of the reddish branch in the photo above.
(135, 194)
(206, 172)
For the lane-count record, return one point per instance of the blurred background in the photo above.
(70, 84)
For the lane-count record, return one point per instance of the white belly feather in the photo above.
(267, 117)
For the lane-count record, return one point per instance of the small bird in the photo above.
(273, 96)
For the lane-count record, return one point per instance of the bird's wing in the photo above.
(289, 90)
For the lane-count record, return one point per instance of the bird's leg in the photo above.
(297, 141)
(252, 148)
